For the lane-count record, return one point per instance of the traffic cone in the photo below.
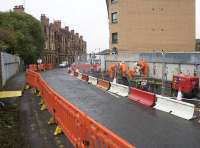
(115, 80)
(115, 75)
(179, 96)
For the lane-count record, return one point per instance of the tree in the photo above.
(21, 34)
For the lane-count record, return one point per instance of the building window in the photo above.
(114, 17)
(113, 1)
(115, 37)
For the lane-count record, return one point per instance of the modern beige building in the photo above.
(149, 25)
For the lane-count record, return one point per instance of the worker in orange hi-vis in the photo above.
(144, 68)
(131, 73)
(123, 69)
(111, 70)
(123, 72)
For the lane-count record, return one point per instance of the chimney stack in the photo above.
(18, 9)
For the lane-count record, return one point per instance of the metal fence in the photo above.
(9, 66)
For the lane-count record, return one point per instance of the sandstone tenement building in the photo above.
(61, 44)
(149, 25)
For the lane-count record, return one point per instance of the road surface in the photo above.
(139, 125)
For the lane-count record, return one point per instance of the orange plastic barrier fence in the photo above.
(103, 84)
(80, 129)
(41, 67)
(84, 77)
(87, 67)
(32, 78)
(48, 66)
(32, 67)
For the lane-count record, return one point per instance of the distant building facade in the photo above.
(61, 44)
(148, 25)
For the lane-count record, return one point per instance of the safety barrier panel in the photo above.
(143, 97)
(103, 84)
(84, 77)
(32, 78)
(48, 66)
(119, 89)
(175, 107)
(32, 67)
(92, 80)
(84, 68)
(80, 129)
(41, 67)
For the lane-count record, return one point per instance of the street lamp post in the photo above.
(163, 69)
(163, 72)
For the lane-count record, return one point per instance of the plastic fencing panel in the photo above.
(99, 136)
(119, 89)
(41, 67)
(92, 80)
(32, 67)
(175, 107)
(143, 97)
(48, 66)
(71, 120)
(32, 78)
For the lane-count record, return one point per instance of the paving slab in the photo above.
(139, 125)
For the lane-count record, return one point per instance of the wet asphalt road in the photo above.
(144, 127)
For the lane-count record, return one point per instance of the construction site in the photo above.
(142, 92)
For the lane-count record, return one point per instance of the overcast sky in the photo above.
(87, 17)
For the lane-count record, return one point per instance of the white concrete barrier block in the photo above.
(175, 107)
(119, 89)
(92, 80)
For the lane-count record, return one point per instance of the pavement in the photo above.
(139, 125)
(28, 127)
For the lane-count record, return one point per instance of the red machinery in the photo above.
(188, 85)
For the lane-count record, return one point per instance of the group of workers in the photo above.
(140, 66)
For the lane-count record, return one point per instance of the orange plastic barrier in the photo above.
(80, 129)
(84, 68)
(84, 77)
(32, 78)
(48, 66)
(41, 67)
(32, 67)
(103, 84)
(143, 97)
